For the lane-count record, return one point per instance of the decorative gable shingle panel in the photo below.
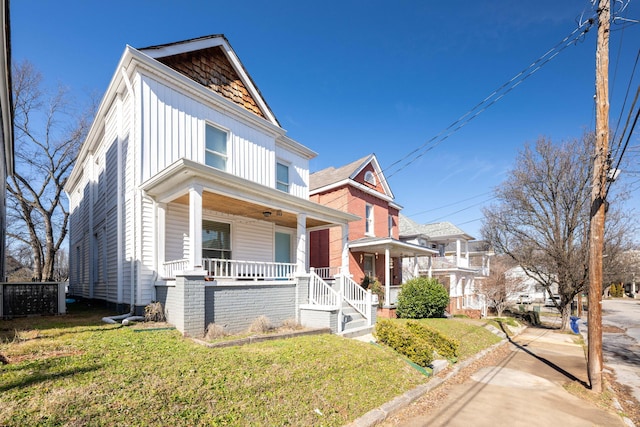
(211, 68)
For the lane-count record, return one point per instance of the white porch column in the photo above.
(466, 249)
(430, 274)
(345, 249)
(161, 237)
(301, 245)
(195, 227)
(458, 251)
(387, 281)
(416, 267)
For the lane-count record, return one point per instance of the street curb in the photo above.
(378, 415)
(585, 337)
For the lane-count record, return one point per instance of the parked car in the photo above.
(524, 299)
(549, 301)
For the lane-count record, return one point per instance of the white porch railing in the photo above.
(320, 293)
(234, 269)
(255, 270)
(357, 297)
(172, 267)
(326, 272)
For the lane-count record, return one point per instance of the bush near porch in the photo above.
(421, 298)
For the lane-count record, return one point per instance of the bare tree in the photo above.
(48, 136)
(541, 219)
(500, 287)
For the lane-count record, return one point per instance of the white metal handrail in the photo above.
(320, 293)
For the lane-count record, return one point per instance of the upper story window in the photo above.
(369, 178)
(215, 151)
(390, 225)
(282, 177)
(368, 228)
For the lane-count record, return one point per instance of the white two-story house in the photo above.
(186, 173)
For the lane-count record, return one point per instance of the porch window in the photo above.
(215, 152)
(368, 228)
(282, 177)
(216, 240)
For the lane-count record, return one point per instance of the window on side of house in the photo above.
(216, 240)
(368, 228)
(215, 151)
(390, 225)
(282, 177)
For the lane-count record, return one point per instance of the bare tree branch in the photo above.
(48, 136)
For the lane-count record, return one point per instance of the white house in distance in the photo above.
(186, 176)
(460, 263)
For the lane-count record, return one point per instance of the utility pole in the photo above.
(600, 170)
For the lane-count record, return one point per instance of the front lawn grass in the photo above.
(75, 370)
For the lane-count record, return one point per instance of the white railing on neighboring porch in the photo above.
(320, 293)
(234, 269)
(326, 272)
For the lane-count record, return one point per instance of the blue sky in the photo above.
(347, 78)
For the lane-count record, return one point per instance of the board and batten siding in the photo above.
(176, 232)
(147, 273)
(173, 127)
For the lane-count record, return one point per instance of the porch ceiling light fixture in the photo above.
(266, 214)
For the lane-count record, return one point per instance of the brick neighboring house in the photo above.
(461, 262)
(373, 248)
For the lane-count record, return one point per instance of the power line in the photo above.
(494, 97)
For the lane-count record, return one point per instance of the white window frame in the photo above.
(373, 265)
(223, 156)
(369, 228)
(370, 178)
(278, 182)
(230, 250)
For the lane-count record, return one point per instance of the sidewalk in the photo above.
(525, 388)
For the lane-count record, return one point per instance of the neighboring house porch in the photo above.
(459, 265)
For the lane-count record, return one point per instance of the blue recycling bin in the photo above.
(574, 324)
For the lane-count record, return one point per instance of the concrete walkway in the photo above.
(525, 389)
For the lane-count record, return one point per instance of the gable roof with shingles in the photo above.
(349, 174)
(211, 62)
(434, 231)
(332, 175)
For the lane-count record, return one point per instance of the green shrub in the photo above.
(404, 341)
(421, 298)
(443, 345)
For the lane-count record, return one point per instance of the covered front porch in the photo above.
(222, 227)
(367, 253)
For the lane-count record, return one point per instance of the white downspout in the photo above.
(127, 83)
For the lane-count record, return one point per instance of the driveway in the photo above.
(621, 341)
